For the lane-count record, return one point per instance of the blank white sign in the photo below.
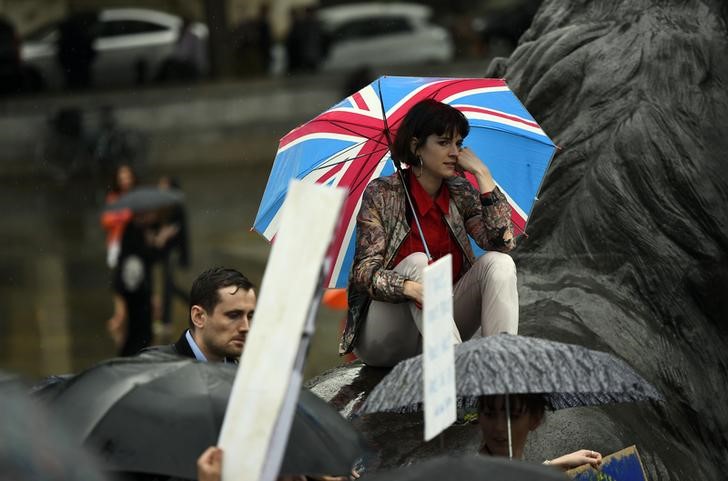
(437, 348)
(264, 384)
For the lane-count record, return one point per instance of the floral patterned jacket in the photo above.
(382, 226)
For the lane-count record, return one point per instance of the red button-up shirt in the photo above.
(430, 212)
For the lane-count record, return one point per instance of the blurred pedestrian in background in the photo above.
(305, 42)
(188, 60)
(144, 241)
(176, 253)
(75, 49)
(264, 37)
(11, 72)
(114, 222)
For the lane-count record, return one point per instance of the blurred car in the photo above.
(374, 34)
(131, 47)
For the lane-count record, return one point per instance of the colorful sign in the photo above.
(624, 465)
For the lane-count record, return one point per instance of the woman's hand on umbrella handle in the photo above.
(577, 458)
(470, 162)
(209, 465)
(413, 290)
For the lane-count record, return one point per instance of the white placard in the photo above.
(437, 348)
(259, 412)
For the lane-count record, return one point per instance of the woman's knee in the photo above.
(413, 265)
(497, 266)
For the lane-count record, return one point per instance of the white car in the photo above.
(376, 34)
(129, 43)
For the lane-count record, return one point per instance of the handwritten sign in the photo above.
(437, 348)
(624, 465)
(260, 410)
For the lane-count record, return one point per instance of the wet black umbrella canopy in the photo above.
(157, 414)
(568, 375)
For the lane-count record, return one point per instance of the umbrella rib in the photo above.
(348, 159)
(344, 125)
(515, 134)
(365, 178)
(354, 186)
(305, 173)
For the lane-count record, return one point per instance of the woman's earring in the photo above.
(420, 164)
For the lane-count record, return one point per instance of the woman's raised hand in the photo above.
(468, 161)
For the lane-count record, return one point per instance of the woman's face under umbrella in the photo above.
(493, 414)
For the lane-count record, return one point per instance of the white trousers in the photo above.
(485, 298)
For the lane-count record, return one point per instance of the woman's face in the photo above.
(494, 427)
(439, 155)
(125, 178)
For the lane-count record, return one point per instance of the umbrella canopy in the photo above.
(567, 375)
(348, 146)
(466, 468)
(11, 381)
(33, 444)
(157, 414)
(146, 198)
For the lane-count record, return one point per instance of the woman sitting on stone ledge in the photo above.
(385, 286)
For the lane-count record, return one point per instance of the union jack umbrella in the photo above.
(348, 146)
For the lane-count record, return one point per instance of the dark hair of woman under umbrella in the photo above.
(34, 446)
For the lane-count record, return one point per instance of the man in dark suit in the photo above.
(222, 304)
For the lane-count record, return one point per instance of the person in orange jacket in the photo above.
(114, 222)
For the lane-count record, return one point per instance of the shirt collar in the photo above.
(195, 348)
(423, 201)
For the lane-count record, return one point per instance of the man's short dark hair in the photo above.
(204, 289)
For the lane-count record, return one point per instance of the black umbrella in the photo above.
(11, 381)
(33, 444)
(568, 375)
(466, 468)
(147, 198)
(157, 414)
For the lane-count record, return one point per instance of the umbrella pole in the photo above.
(508, 420)
(414, 213)
(401, 172)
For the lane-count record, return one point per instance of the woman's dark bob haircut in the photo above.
(424, 119)
(532, 404)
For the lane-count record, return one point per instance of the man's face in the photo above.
(494, 427)
(222, 332)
